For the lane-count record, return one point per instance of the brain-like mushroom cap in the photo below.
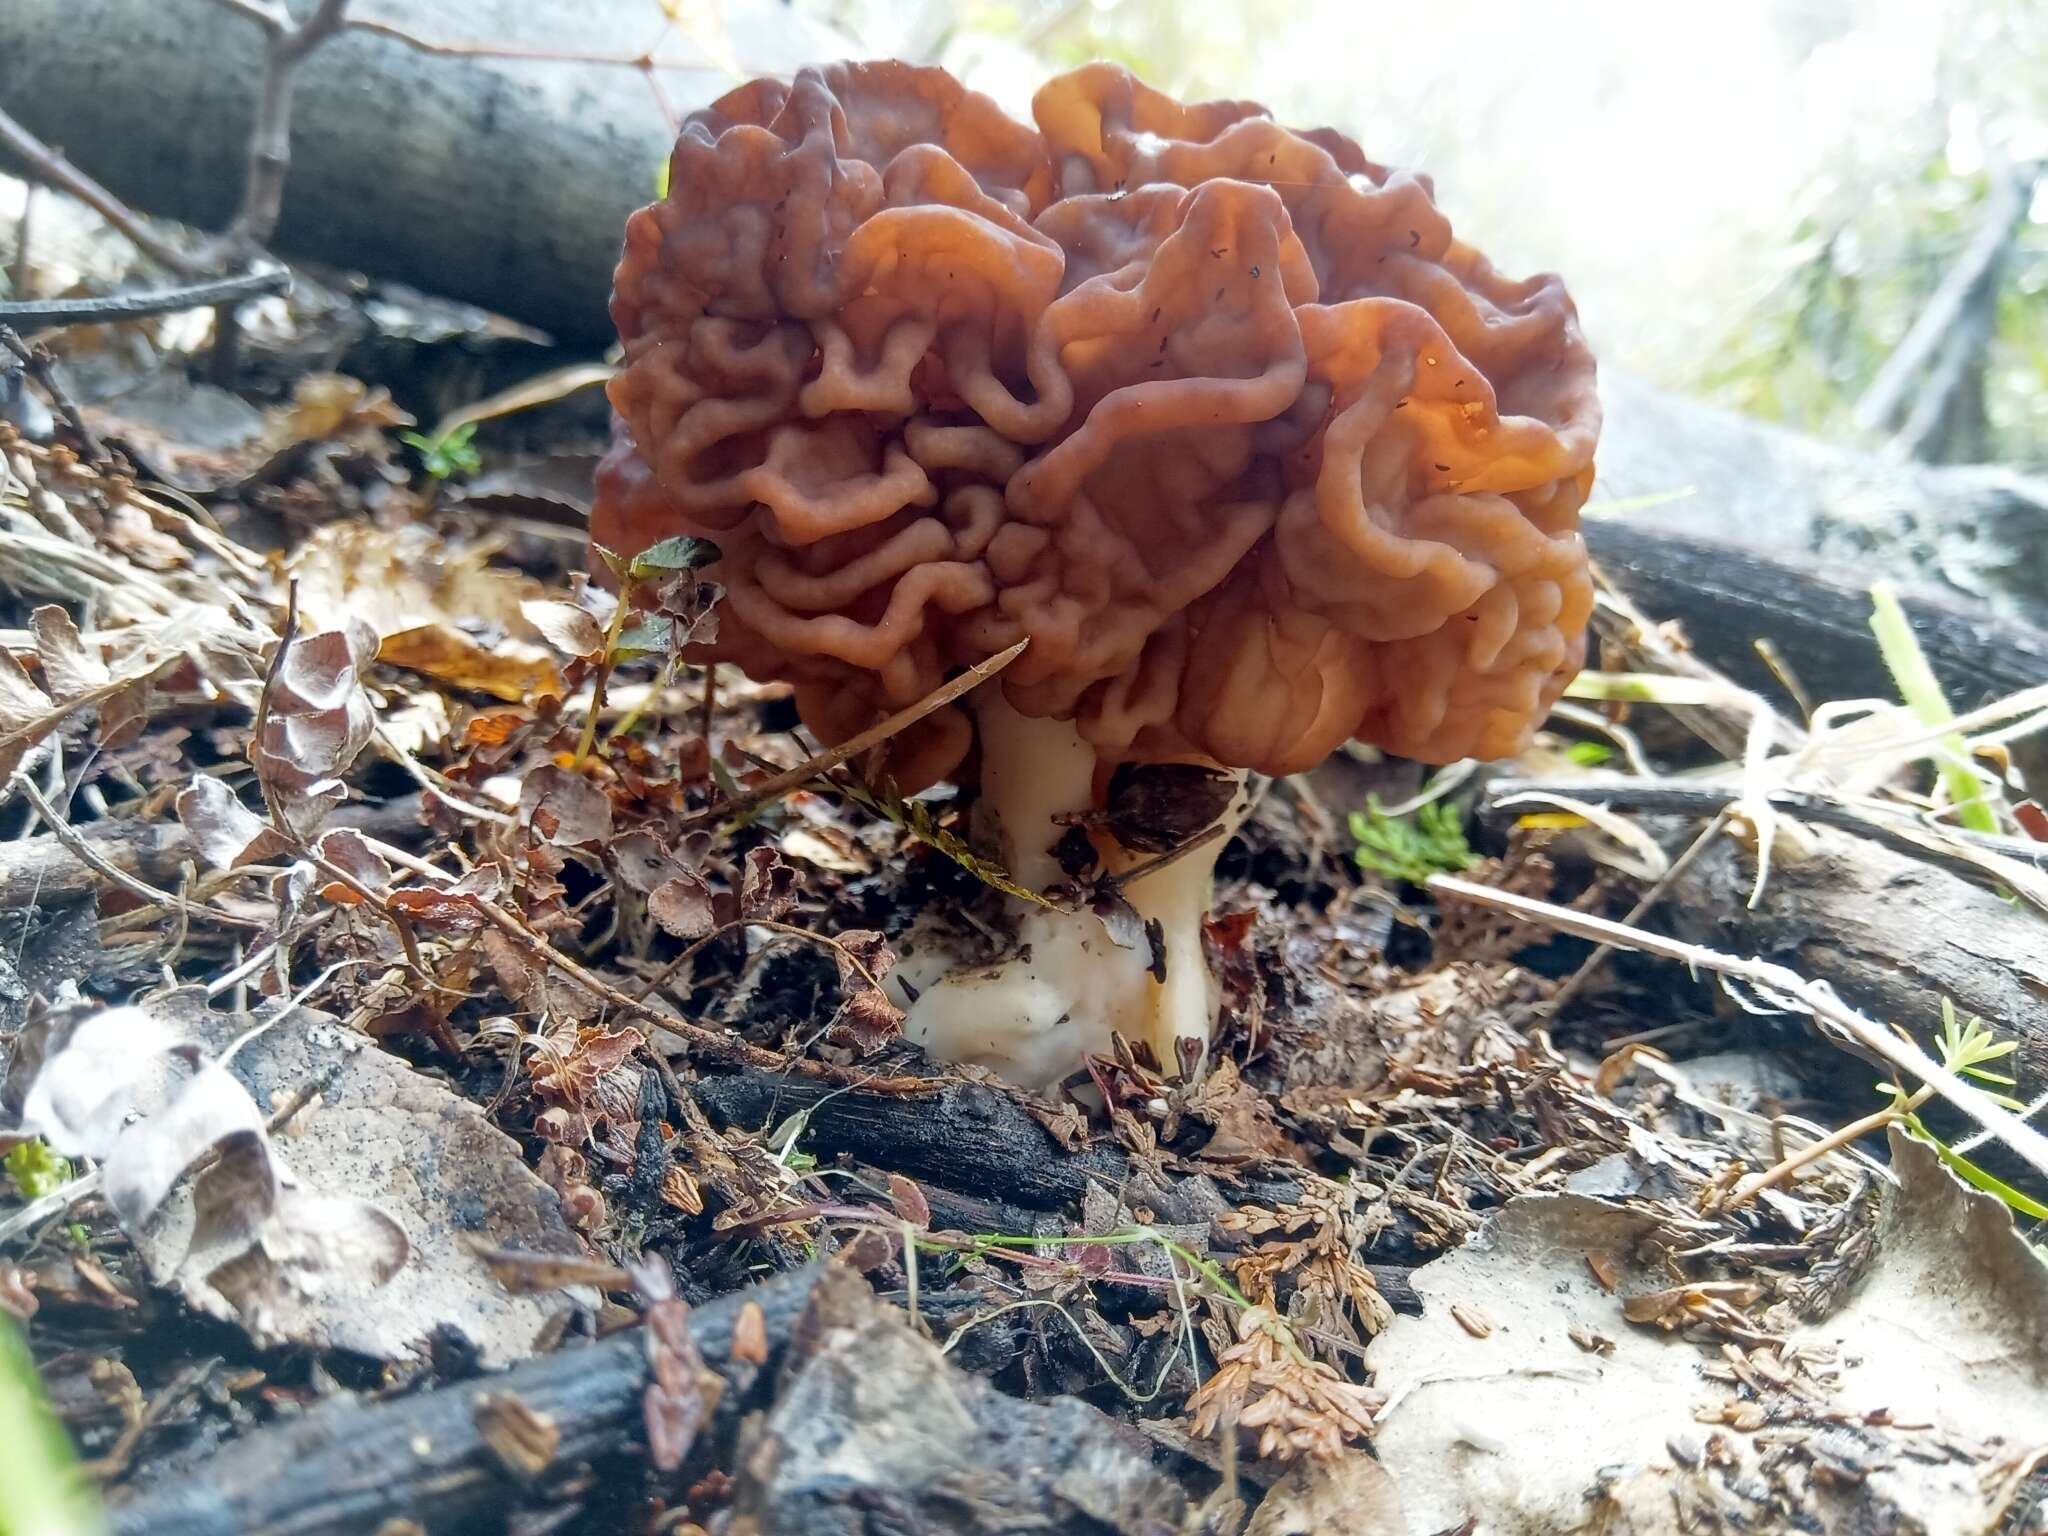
(1218, 414)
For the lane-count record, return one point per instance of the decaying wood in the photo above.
(351, 1464)
(873, 1430)
(1980, 531)
(829, 1362)
(1729, 594)
(969, 1137)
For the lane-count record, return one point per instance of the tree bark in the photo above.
(352, 1464)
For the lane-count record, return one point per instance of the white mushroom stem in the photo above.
(1063, 984)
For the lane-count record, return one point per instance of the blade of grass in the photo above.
(1921, 691)
(40, 1493)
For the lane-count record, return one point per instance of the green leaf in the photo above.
(41, 1491)
(650, 637)
(1971, 1174)
(36, 1170)
(452, 453)
(681, 553)
(1589, 754)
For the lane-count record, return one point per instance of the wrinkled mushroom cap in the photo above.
(1218, 414)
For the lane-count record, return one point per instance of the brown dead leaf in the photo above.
(564, 808)
(570, 628)
(522, 1439)
(866, 1018)
(684, 907)
(509, 670)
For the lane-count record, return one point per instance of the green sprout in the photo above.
(1589, 754)
(447, 454)
(36, 1170)
(1411, 848)
(1967, 1050)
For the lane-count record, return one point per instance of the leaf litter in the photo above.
(473, 912)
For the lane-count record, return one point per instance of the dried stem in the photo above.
(42, 368)
(774, 789)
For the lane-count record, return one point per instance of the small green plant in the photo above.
(36, 1170)
(1411, 848)
(1967, 1050)
(1589, 754)
(447, 455)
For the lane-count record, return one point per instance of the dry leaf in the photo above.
(508, 670)
(226, 832)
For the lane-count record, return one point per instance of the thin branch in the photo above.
(42, 367)
(1898, 827)
(29, 314)
(774, 789)
(91, 857)
(270, 138)
(1784, 987)
(46, 165)
(1576, 982)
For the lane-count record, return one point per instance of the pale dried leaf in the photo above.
(70, 669)
(226, 832)
(572, 630)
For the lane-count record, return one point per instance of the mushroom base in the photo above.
(1054, 995)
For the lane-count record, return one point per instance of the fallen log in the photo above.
(504, 181)
(352, 1464)
(40, 869)
(1729, 595)
(1894, 935)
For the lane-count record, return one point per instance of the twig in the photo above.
(1834, 1141)
(1576, 982)
(773, 789)
(42, 368)
(105, 308)
(270, 139)
(737, 925)
(89, 856)
(47, 165)
(1782, 986)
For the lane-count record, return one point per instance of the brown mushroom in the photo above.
(1218, 415)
